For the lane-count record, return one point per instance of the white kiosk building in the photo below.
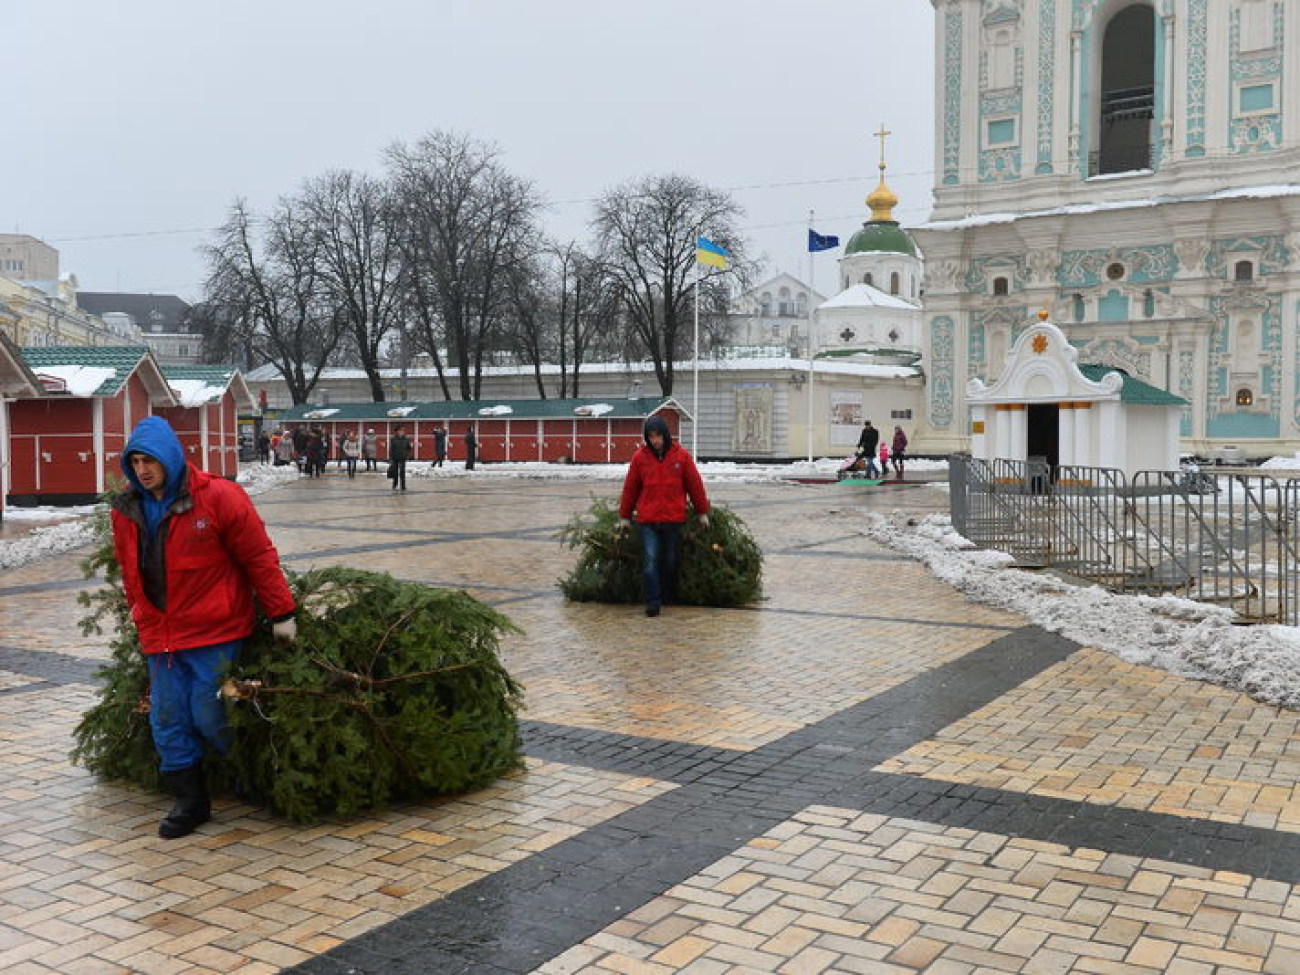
(1045, 405)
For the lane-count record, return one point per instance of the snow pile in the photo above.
(496, 411)
(593, 409)
(1188, 638)
(46, 540)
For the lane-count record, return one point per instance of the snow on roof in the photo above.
(195, 392)
(399, 411)
(79, 380)
(865, 296)
(495, 411)
(270, 373)
(322, 414)
(987, 219)
(593, 409)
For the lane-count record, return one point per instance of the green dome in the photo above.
(881, 236)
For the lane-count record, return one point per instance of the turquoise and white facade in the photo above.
(1133, 168)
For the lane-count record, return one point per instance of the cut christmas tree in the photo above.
(392, 691)
(720, 565)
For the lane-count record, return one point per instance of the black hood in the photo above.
(657, 424)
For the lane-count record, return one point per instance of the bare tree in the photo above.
(588, 312)
(360, 260)
(468, 226)
(647, 233)
(265, 292)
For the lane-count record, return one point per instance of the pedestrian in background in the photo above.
(661, 477)
(898, 450)
(867, 443)
(370, 448)
(471, 449)
(350, 451)
(193, 553)
(399, 451)
(316, 450)
(439, 446)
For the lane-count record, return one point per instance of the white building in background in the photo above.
(1133, 167)
(774, 315)
(876, 315)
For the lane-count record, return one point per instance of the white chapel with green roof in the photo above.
(1132, 167)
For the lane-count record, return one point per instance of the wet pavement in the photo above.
(862, 773)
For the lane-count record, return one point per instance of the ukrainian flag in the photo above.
(707, 252)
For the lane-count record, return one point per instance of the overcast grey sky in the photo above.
(138, 122)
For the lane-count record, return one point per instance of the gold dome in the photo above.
(882, 199)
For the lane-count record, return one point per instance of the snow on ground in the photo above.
(1192, 639)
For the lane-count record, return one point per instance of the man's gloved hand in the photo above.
(624, 525)
(286, 631)
(704, 522)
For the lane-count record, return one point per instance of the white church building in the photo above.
(1133, 168)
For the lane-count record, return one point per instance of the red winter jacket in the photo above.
(216, 555)
(657, 489)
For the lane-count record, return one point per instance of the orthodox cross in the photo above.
(882, 135)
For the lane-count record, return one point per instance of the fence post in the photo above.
(958, 486)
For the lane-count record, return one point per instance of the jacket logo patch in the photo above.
(201, 525)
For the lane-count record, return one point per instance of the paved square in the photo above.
(863, 772)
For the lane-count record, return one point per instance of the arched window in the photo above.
(1243, 271)
(1000, 286)
(1148, 303)
(894, 283)
(1245, 397)
(801, 304)
(1078, 308)
(1126, 99)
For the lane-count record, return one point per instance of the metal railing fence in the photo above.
(1227, 538)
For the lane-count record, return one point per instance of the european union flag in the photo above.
(819, 242)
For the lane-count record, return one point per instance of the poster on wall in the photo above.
(751, 433)
(846, 419)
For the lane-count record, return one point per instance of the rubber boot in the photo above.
(193, 807)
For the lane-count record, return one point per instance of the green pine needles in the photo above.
(393, 691)
(720, 565)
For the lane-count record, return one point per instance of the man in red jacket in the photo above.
(193, 553)
(660, 478)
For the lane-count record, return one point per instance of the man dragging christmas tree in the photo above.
(193, 553)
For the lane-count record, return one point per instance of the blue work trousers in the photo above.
(184, 709)
(660, 544)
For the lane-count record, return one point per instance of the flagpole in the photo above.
(695, 379)
(812, 289)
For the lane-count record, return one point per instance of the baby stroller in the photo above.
(855, 466)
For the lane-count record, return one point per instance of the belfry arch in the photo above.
(1125, 99)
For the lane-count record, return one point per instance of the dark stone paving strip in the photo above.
(513, 920)
(862, 556)
(50, 666)
(658, 758)
(868, 618)
(57, 584)
(39, 685)
(1133, 832)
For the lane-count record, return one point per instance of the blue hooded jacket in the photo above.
(154, 436)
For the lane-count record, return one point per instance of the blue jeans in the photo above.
(660, 542)
(184, 710)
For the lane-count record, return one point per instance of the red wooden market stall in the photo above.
(17, 381)
(66, 444)
(583, 431)
(206, 417)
